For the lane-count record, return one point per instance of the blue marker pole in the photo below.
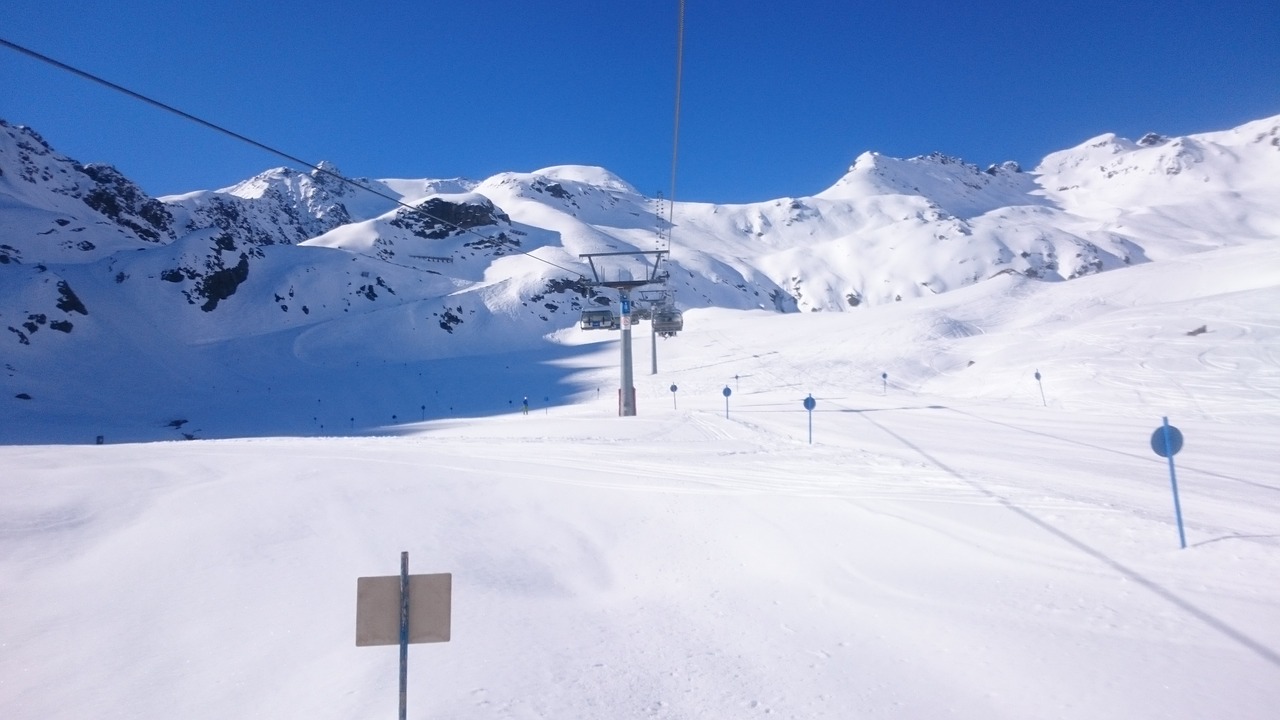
(673, 396)
(810, 404)
(1042, 400)
(1170, 450)
(884, 377)
(727, 393)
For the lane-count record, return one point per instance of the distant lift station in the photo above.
(664, 318)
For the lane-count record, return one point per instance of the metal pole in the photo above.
(810, 427)
(404, 630)
(1173, 479)
(653, 343)
(628, 405)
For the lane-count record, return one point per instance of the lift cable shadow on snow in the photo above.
(1144, 458)
(1234, 537)
(893, 409)
(1258, 648)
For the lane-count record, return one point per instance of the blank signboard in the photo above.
(378, 609)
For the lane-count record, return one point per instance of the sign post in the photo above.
(810, 404)
(1166, 441)
(884, 378)
(727, 392)
(673, 396)
(403, 609)
(1042, 400)
(404, 632)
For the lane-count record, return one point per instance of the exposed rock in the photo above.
(67, 300)
(222, 284)
(437, 219)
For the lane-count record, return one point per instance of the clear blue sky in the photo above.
(778, 98)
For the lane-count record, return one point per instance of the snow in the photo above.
(588, 175)
(948, 545)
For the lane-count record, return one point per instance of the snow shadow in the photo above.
(272, 394)
(1137, 456)
(1264, 652)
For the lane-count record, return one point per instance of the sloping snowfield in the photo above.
(951, 544)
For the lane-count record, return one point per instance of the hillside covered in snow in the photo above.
(103, 285)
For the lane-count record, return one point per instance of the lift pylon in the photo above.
(624, 281)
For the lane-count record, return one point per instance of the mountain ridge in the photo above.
(93, 266)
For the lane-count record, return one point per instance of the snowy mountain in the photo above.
(103, 284)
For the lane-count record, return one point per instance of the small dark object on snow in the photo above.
(1199, 330)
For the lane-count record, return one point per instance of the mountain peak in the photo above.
(326, 175)
(587, 175)
(958, 187)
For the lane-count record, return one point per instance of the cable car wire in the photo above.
(675, 139)
(262, 146)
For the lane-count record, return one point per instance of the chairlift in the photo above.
(599, 320)
(667, 321)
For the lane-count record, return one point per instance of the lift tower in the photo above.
(624, 282)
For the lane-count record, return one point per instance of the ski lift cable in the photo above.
(261, 146)
(675, 135)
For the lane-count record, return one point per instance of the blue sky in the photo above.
(778, 98)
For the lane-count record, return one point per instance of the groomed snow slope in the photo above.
(947, 547)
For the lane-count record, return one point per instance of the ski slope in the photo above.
(949, 545)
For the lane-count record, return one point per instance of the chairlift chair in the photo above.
(667, 321)
(599, 320)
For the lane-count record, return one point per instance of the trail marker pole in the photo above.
(884, 378)
(403, 609)
(810, 404)
(727, 392)
(1166, 441)
(673, 396)
(737, 385)
(1042, 400)
(404, 631)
